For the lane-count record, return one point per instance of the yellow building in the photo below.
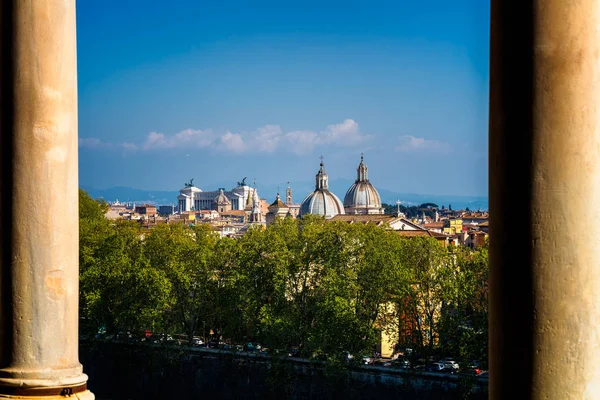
(452, 226)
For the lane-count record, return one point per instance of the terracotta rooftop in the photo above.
(414, 233)
(278, 203)
(436, 235)
(235, 213)
(363, 219)
(433, 225)
(475, 215)
(439, 235)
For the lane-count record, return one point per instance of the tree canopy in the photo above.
(323, 286)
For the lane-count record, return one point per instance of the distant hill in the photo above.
(300, 191)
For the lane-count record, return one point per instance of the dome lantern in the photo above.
(362, 172)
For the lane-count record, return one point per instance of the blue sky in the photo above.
(216, 91)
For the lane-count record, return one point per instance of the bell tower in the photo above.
(288, 195)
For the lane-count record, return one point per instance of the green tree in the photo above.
(430, 269)
(324, 286)
(93, 229)
(263, 256)
(120, 288)
(226, 316)
(183, 255)
(383, 277)
(464, 321)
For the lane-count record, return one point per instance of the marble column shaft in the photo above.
(544, 199)
(39, 201)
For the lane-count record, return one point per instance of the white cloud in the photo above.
(154, 140)
(268, 139)
(232, 142)
(129, 146)
(95, 143)
(345, 134)
(411, 144)
(194, 138)
(302, 142)
(92, 143)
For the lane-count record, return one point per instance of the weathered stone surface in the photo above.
(544, 196)
(39, 194)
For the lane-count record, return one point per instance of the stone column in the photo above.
(39, 201)
(545, 199)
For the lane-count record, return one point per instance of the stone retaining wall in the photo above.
(125, 371)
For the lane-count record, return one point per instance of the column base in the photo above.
(85, 395)
(56, 392)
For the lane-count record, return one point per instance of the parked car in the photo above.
(436, 367)
(401, 363)
(474, 367)
(450, 364)
(250, 346)
(382, 363)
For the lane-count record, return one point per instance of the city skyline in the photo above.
(218, 93)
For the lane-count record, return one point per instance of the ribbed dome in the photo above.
(221, 198)
(362, 197)
(322, 201)
(362, 194)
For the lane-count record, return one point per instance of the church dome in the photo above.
(221, 198)
(362, 197)
(362, 194)
(322, 201)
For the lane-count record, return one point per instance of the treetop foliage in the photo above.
(325, 287)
